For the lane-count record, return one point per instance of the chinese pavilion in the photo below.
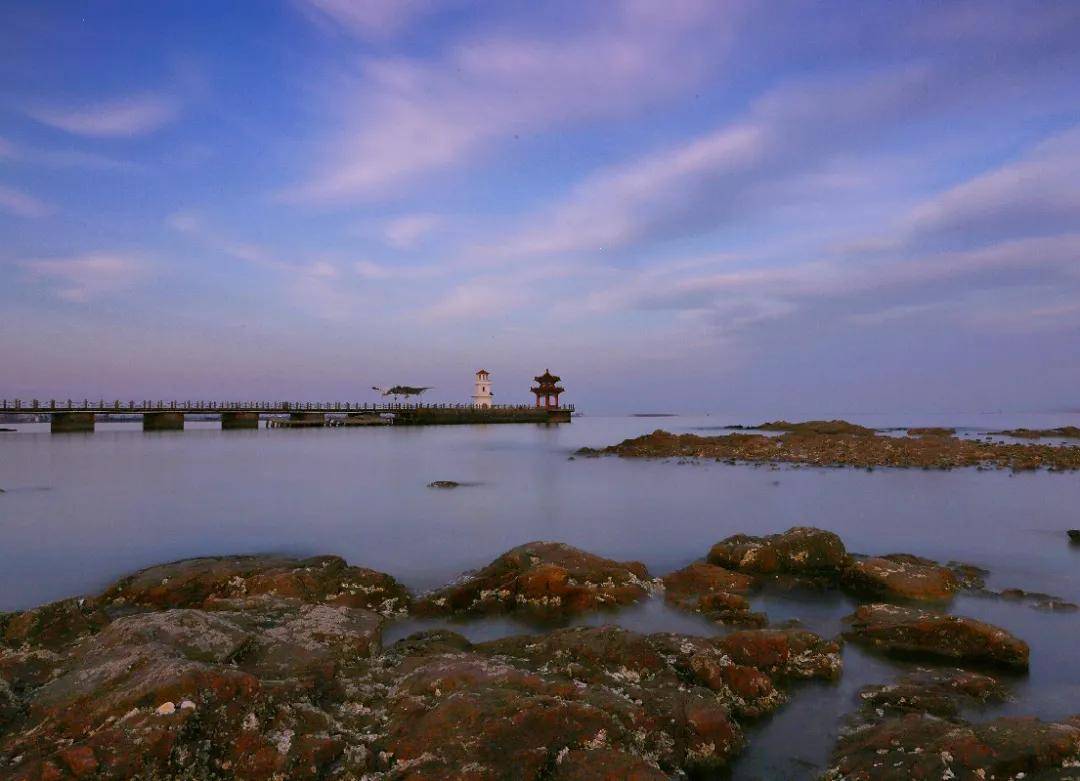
(547, 386)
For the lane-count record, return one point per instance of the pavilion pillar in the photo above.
(67, 422)
(163, 421)
(239, 419)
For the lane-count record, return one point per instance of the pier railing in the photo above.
(118, 407)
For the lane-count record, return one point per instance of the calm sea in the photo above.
(82, 509)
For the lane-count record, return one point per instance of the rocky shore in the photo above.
(838, 443)
(267, 667)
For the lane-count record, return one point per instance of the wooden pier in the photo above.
(76, 416)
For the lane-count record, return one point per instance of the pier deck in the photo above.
(70, 416)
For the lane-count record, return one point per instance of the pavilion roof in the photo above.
(547, 378)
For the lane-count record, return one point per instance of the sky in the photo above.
(685, 205)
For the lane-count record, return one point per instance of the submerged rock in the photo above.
(906, 630)
(1039, 600)
(714, 592)
(900, 577)
(196, 583)
(544, 579)
(931, 431)
(801, 550)
(942, 693)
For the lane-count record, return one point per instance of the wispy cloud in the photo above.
(1038, 192)
(61, 158)
(22, 204)
(134, 115)
(194, 226)
(377, 19)
(405, 118)
(82, 278)
(720, 176)
(409, 230)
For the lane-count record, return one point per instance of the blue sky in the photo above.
(683, 205)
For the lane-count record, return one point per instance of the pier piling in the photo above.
(163, 421)
(67, 422)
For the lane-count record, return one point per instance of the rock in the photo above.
(443, 484)
(545, 579)
(931, 431)
(969, 576)
(801, 550)
(919, 745)
(942, 693)
(165, 709)
(52, 626)
(198, 583)
(822, 427)
(906, 630)
(784, 653)
(897, 577)
(1074, 535)
(713, 591)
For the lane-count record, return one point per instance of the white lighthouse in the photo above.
(482, 390)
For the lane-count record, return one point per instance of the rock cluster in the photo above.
(265, 667)
(844, 444)
(912, 729)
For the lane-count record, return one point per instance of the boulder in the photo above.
(542, 579)
(908, 630)
(443, 484)
(801, 550)
(896, 577)
(1074, 535)
(714, 592)
(198, 583)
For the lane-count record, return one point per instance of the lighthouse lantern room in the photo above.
(482, 390)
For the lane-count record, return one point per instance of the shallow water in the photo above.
(82, 509)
